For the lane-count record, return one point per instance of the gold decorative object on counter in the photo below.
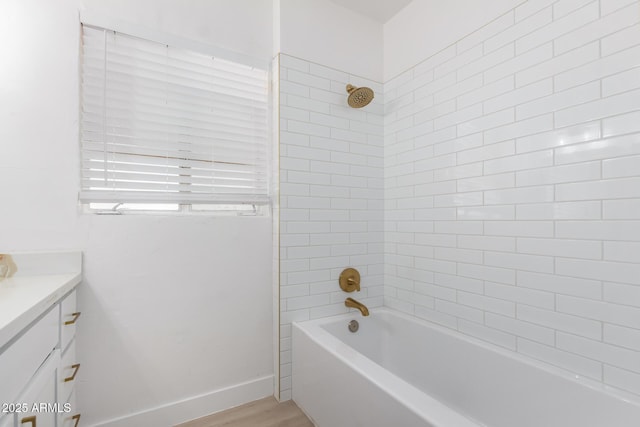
(350, 302)
(7, 267)
(349, 280)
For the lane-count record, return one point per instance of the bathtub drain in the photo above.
(353, 326)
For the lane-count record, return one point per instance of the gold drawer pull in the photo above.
(75, 317)
(73, 377)
(77, 418)
(31, 419)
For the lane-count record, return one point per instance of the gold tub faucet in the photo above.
(350, 302)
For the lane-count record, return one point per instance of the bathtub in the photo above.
(399, 371)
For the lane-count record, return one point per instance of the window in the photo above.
(164, 127)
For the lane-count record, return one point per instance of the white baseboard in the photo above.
(196, 407)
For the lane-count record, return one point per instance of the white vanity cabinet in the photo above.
(21, 359)
(68, 375)
(69, 318)
(40, 376)
(31, 366)
(39, 395)
(70, 366)
(38, 361)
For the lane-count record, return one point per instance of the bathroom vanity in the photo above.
(38, 318)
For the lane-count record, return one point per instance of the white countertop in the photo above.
(26, 296)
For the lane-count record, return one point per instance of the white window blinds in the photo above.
(162, 124)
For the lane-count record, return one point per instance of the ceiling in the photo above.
(378, 10)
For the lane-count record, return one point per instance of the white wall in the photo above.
(512, 186)
(424, 27)
(173, 307)
(331, 196)
(322, 32)
(243, 26)
(39, 125)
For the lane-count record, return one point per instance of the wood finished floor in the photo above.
(261, 413)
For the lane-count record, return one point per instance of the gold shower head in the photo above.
(359, 96)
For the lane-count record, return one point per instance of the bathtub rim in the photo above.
(341, 350)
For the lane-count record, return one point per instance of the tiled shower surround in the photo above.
(508, 180)
(512, 187)
(331, 197)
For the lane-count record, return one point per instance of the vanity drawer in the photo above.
(7, 420)
(68, 320)
(68, 373)
(39, 394)
(70, 419)
(21, 360)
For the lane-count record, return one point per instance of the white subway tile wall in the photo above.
(512, 187)
(331, 196)
(275, 194)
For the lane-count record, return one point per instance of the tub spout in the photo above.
(350, 302)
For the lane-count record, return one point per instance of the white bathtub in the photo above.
(398, 371)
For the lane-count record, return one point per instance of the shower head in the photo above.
(359, 96)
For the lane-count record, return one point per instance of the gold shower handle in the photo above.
(349, 280)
